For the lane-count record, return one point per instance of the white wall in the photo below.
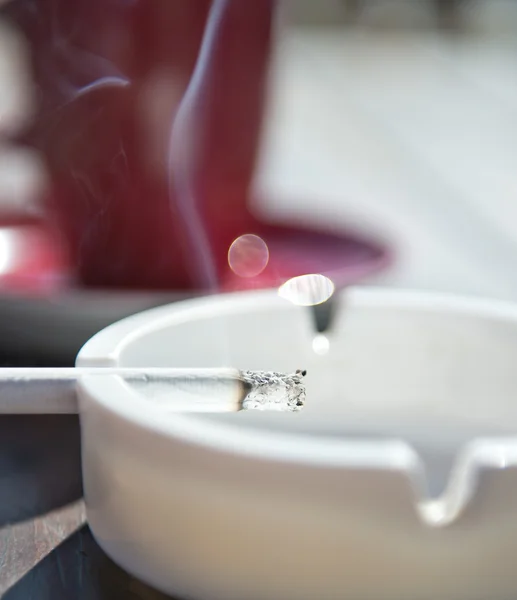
(412, 134)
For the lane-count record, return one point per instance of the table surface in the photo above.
(46, 549)
(75, 569)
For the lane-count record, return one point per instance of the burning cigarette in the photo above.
(47, 391)
(269, 390)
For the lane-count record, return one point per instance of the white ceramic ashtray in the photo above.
(396, 481)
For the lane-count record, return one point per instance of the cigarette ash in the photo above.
(274, 391)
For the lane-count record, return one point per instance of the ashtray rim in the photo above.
(106, 346)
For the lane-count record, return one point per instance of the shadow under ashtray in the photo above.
(78, 569)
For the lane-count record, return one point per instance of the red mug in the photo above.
(149, 120)
(111, 76)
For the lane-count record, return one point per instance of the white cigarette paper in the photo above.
(51, 391)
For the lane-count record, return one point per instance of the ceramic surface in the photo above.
(398, 479)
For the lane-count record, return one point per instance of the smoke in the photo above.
(186, 135)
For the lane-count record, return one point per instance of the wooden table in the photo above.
(46, 548)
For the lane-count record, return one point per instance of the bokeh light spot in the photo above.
(8, 247)
(320, 344)
(307, 290)
(248, 255)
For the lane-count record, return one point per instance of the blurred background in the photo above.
(401, 117)
(393, 119)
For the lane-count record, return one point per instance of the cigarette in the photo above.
(53, 391)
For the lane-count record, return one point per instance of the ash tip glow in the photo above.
(270, 390)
